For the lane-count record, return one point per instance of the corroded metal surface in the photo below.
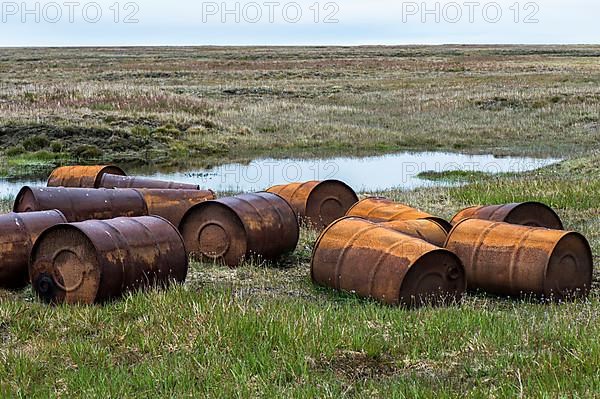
(81, 176)
(79, 204)
(96, 261)
(507, 259)
(236, 228)
(534, 214)
(425, 229)
(116, 181)
(318, 203)
(18, 232)
(379, 209)
(173, 204)
(358, 256)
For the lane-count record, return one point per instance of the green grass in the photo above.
(454, 176)
(266, 331)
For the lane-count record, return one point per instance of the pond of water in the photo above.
(364, 174)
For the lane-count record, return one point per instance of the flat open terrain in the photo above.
(203, 105)
(264, 330)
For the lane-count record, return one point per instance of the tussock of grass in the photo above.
(455, 176)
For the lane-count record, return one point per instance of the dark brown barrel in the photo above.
(318, 203)
(358, 256)
(379, 209)
(533, 214)
(116, 181)
(81, 176)
(507, 259)
(425, 229)
(18, 232)
(173, 204)
(99, 260)
(236, 228)
(79, 204)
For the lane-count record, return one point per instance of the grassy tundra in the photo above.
(265, 330)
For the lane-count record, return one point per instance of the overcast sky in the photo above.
(281, 22)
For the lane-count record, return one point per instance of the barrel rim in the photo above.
(211, 203)
(512, 207)
(583, 239)
(543, 205)
(103, 171)
(333, 181)
(21, 194)
(435, 220)
(50, 230)
(438, 250)
(443, 223)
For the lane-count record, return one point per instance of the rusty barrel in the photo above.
(117, 181)
(379, 209)
(425, 229)
(507, 259)
(173, 204)
(99, 260)
(358, 256)
(18, 232)
(533, 214)
(318, 203)
(81, 176)
(236, 228)
(79, 204)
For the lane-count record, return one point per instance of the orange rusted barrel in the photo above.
(18, 232)
(507, 259)
(81, 176)
(425, 229)
(358, 256)
(116, 181)
(318, 202)
(99, 260)
(173, 204)
(79, 204)
(236, 228)
(379, 209)
(533, 214)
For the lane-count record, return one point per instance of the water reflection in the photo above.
(362, 173)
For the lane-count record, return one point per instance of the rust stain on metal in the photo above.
(81, 176)
(379, 209)
(79, 204)
(116, 181)
(173, 204)
(533, 214)
(361, 257)
(236, 228)
(507, 259)
(97, 261)
(425, 229)
(318, 203)
(18, 232)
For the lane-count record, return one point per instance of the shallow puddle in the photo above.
(364, 174)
